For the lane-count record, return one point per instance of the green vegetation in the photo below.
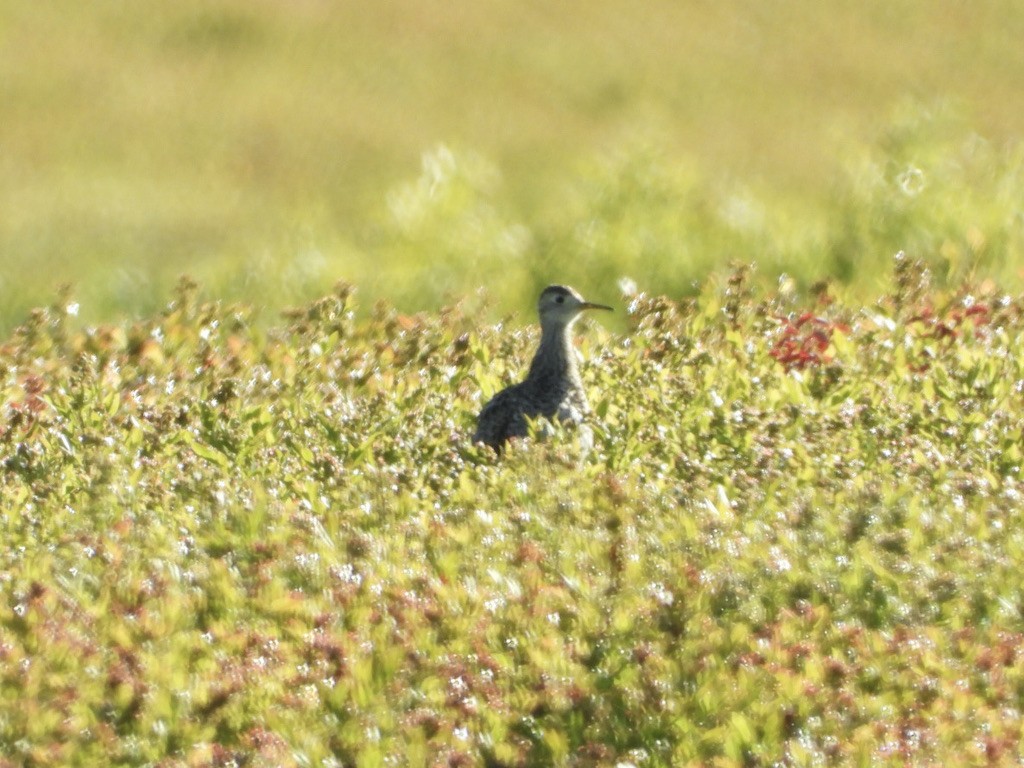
(797, 537)
(233, 536)
(254, 143)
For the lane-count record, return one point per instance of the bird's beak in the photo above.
(592, 305)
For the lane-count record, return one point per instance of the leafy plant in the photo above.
(224, 544)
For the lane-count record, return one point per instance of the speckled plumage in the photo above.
(552, 388)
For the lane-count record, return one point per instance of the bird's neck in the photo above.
(555, 357)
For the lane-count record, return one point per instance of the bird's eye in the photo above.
(560, 299)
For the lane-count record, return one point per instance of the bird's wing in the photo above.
(494, 424)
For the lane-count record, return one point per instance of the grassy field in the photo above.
(258, 145)
(797, 539)
(239, 534)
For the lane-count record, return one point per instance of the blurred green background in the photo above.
(422, 149)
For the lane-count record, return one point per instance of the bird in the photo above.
(552, 388)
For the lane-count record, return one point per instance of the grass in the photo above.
(255, 144)
(797, 537)
(234, 536)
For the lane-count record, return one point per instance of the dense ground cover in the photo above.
(235, 539)
(797, 538)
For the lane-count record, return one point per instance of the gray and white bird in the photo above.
(552, 388)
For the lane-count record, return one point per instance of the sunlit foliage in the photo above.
(796, 539)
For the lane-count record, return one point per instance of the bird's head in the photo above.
(561, 305)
